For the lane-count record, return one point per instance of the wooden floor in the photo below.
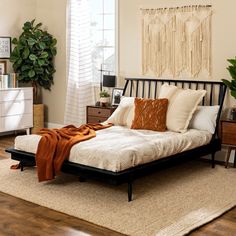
(19, 217)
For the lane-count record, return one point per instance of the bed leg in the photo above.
(21, 166)
(129, 191)
(213, 160)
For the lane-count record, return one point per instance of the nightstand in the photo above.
(228, 138)
(97, 114)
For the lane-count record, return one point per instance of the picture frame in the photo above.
(116, 96)
(3, 67)
(5, 47)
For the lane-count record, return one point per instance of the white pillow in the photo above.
(182, 104)
(167, 91)
(124, 113)
(204, 118)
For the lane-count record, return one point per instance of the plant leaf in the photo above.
(31, 41)
(38, 25)
(14, 41)
(32, 57)
(232, 61)
(226, 82)
(44, 55)
(32, 22)
(54, 51)
(42, 45)
(27, 26)
(38, 33)
(31, 73)
(232, 71)
(41, 62)
(26, 53)
(233, 93)
(54, 42)
(25, 67)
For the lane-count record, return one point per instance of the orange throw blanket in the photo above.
(55, 145)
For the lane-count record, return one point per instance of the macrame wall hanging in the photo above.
(176, 41)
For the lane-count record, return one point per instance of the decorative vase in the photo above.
(38, 118)
(104, 101)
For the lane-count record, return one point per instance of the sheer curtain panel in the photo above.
(79, 64)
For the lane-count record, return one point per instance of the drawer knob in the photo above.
(99, 112)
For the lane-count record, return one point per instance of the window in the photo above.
(90, 45)
(102, 37)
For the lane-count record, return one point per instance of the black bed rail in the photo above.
(149, 88)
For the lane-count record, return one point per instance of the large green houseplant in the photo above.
(232, 70)
(32, 57)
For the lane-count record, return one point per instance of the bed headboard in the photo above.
(149, 88)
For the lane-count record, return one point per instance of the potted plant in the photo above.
(32, 59)
(104, 98)
(232, 84)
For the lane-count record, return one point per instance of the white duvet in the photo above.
(118, 148)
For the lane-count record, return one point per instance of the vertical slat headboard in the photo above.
(149, 88)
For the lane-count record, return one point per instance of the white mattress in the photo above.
(118, 148)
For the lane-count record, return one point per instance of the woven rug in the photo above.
(173, 201)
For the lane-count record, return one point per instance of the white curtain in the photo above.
(79, 65)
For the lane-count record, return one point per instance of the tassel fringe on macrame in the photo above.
(176, 40)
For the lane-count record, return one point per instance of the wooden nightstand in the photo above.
(228, 138)
(97, 114)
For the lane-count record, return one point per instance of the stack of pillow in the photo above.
(175, 109)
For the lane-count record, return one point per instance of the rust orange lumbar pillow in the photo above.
(150, 114)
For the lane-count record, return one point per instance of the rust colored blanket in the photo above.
(55, 145)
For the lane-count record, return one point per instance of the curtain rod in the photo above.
(164, 8)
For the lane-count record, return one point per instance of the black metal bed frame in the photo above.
(140, 87)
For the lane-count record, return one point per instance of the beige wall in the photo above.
(52, 13)
(13, 15)
(223, 35)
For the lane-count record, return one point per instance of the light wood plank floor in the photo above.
(22, 218)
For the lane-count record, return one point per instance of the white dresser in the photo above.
(16, 109)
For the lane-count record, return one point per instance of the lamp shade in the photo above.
(109, 81)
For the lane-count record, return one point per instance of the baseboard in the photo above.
(53, 125)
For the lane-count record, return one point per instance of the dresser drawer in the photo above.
(228, 133)
(16, 122)
(16, 94)
(16, 107)
(96, 119)
(99, 112)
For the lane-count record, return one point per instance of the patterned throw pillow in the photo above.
(150, 114)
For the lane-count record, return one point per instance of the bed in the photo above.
(120, 161)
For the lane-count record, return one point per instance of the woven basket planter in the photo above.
(38, 111)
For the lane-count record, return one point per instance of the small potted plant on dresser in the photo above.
(104, 98)
(33, 61)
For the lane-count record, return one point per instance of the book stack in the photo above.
(8, 81)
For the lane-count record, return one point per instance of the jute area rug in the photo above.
(173, 201)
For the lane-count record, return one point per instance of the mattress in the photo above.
(118, 148)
